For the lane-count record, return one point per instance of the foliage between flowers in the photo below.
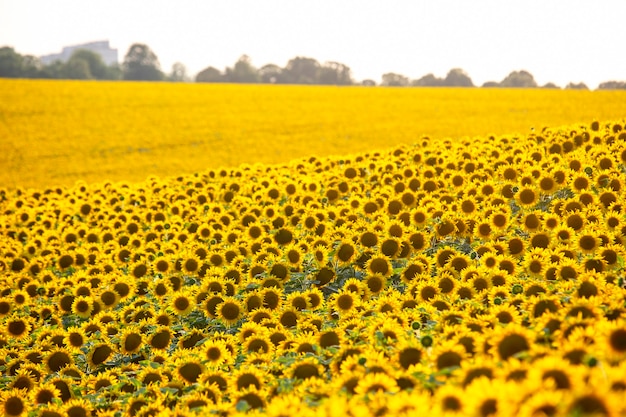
(472, 277)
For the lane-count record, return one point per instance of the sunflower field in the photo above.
(463, 274)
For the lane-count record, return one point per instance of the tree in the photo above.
(140, 63)
(576, 86)
(519, 79)
(242, 72)
(550, 86)
(179, 73)
(209, 75)
(14, 65)
(271, 74)
(96, 67)
(428, 80)
(335, 73)
(301, 70)
(457, 78)
(77, 69)
(612, 85)
(392, 79)
(368, 82)
(491, 84)
(10, 63)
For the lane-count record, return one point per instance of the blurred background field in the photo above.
(54, 133)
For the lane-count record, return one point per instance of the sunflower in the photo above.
(450, 400)
(293, 255)
(5, 306)
(130, 340)
(272, 298)
(330, 337)
(615, 341)
(379, 265)
(13, 403)
(229, 310)
(556, 373)
(543, 403)
(344, 301)
(216, 353)
(248, 377)
(182, 302)
(448, 355)
(188, 367)
(259, 343)
(587, 242)
(540, 239)
(160, 338)
(375, 283)
(199, 401)
(279, 271)
(99, 354)
(483, 229)
(600, 402)
(547, 184)
(57, 359)
(24, 379)
(305, 369)
(75, 338)
(409, 355)
(486, 397)
(253, 398)
(77, 407)
(44, 393)
(298, 301)
(511, 341)
(504, 314)
(568, 269)
(288, 317)
(161, 265)
(373, 383)
(18, 327)
(345, 252)
(527, 196)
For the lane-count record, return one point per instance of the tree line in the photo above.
(141, 63)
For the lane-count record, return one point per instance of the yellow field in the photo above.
(57, 132)
(481, 275)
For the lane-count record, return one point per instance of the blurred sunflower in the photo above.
(13, 403)
(372, 383)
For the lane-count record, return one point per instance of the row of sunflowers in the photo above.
(481, 276)
(57, 132)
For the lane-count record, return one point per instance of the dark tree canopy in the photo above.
(457, 78)
(428, 80)
(576, 86)
(140, 63)
(14, 65)
(178, 73)
(85, 64)
(209, 75)
(519, 79)
(392, 79)
(271, 74)
(335, 73)
(612, 85)
(242, 71)
(301, 70)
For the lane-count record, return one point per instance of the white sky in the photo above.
(557, 41)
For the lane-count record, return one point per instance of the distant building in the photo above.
(108, 54)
